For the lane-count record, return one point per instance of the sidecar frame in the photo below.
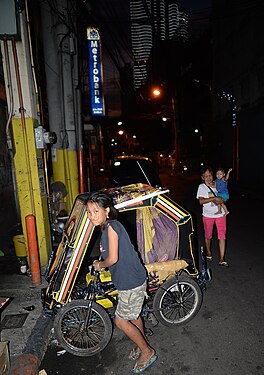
(79, 239)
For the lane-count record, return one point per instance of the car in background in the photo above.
(126, 170)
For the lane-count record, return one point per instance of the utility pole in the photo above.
(59, 43)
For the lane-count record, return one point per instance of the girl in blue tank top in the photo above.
(128, 275)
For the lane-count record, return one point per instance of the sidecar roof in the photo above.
(134, 195)
(139, 195)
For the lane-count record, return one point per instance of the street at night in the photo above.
(103, 105)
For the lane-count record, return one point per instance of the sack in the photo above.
(4, 358)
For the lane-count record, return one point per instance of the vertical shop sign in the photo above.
(95, 72)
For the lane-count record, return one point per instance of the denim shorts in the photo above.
(130, 302)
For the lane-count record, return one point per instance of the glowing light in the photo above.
(156, 92)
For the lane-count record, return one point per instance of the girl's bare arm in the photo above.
(112, 251)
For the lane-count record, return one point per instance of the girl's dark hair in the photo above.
(206, 168)
(104, 200)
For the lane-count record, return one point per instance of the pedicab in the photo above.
(161, 231)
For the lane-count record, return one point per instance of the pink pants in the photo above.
(220, 223)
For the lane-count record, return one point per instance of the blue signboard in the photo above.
(95, 72)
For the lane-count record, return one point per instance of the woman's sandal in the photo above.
(142, 366)
(223, 264)
(209, 258)
(134, 354)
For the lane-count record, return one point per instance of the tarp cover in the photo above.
(157, 236)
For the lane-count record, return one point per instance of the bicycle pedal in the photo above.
(153, 319)
(148, 332)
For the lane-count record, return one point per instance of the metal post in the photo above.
(174, 124)
(33, 249)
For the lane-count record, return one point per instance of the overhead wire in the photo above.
(116, 19)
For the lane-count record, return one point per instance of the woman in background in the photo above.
(207, 197)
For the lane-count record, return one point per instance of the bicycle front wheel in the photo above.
(177, 301)
(82, 330)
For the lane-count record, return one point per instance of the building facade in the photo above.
(238, 81)
(153, 21)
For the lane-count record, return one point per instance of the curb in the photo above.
(29, 361)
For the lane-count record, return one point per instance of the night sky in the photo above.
(195, 6)
(115, 34)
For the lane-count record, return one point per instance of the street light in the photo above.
(157, 92)
(122, 132)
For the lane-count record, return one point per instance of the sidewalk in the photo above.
(27, 344)
(27, 338)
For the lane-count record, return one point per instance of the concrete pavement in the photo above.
(226, 336)
(27, 344)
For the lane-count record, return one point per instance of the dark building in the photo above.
(238, 88)
(151, 22)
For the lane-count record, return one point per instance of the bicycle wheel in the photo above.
(78, 337)
(176, 302)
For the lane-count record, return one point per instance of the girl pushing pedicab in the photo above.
(161, 232)
(128, 275)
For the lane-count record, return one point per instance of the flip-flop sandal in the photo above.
(142, 366)
(209, 258)
(223, 264)
(134, 354)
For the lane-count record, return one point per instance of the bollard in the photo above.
(33, 249)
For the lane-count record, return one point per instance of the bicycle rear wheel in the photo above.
(177, 301)
(76, 335)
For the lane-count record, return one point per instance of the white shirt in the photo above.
(209, 209)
